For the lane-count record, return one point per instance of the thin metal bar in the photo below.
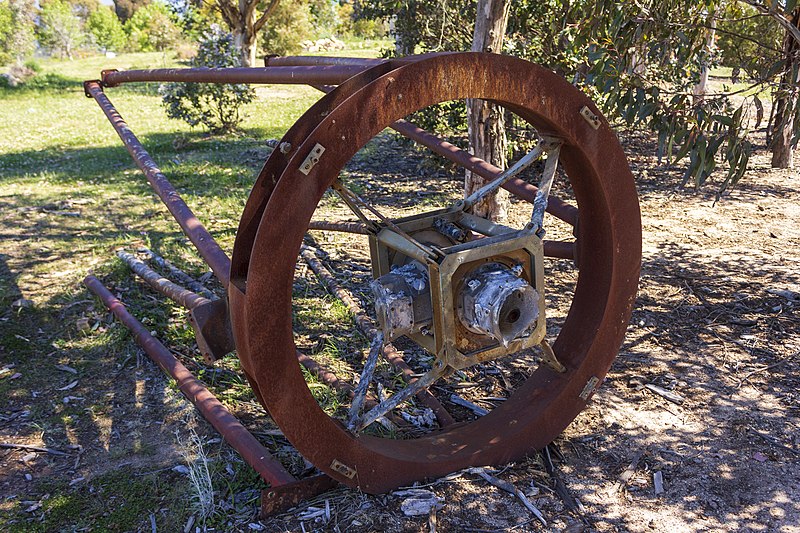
(540, 202)
(524, 162)
(297, 75)
(430, 251)
(396, 399)
(183, 296)
(366, 377)
(206, 246)
(223, 421)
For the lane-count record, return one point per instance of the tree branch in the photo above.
(779, 18)
(264, 16)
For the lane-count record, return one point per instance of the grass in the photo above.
(69, 197)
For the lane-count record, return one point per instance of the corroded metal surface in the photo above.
(373, 95)
(609, 241)
(208, 248)
(223, 421)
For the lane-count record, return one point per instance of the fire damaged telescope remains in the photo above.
(465, 290)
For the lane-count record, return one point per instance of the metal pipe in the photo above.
(516, 186)
(347, 227)
(300, 75)
(175, 292)
(314, 61)
(223, 421)
(206, 246)
(559, 249)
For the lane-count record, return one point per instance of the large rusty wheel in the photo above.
(282, 204)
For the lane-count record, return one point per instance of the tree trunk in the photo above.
(785, 101)
(244, 34)
(487, 136)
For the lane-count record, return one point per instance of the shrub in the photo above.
(215, 106)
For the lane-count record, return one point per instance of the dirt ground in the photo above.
(715, 323)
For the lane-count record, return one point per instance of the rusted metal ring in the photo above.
(609, 244)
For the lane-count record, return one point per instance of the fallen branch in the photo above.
(769, 367)
(478, 410)
(673, 397)
(29, 447)
(511, 489)
(561, 488)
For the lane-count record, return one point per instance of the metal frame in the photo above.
(259, 275)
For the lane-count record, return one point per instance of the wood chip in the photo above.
(658, 483)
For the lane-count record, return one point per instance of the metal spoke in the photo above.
(431, 252)
(540, 202)
(366, 377)
(396, 399)
(512, 172)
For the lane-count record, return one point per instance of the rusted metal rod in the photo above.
(346, 227)
(559, 249)
(315, 61)
(206, 246)
(223, 421)
(516, 186)
(364, 324)
(175, 292)
(299, 75)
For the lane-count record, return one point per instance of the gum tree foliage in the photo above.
(153, 28)
(639, 60)
(59, 28)
(214, 106)
(106, 29)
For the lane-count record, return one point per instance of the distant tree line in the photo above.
(64, 28)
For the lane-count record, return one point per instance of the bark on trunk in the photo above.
(785, 102)
(244, 24)
(487, 137)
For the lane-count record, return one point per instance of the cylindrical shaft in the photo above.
(175, 292)
(208, 248)
(301, 75)
(315, 61)
(559, 249)
(516, 186)
(223, 421)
